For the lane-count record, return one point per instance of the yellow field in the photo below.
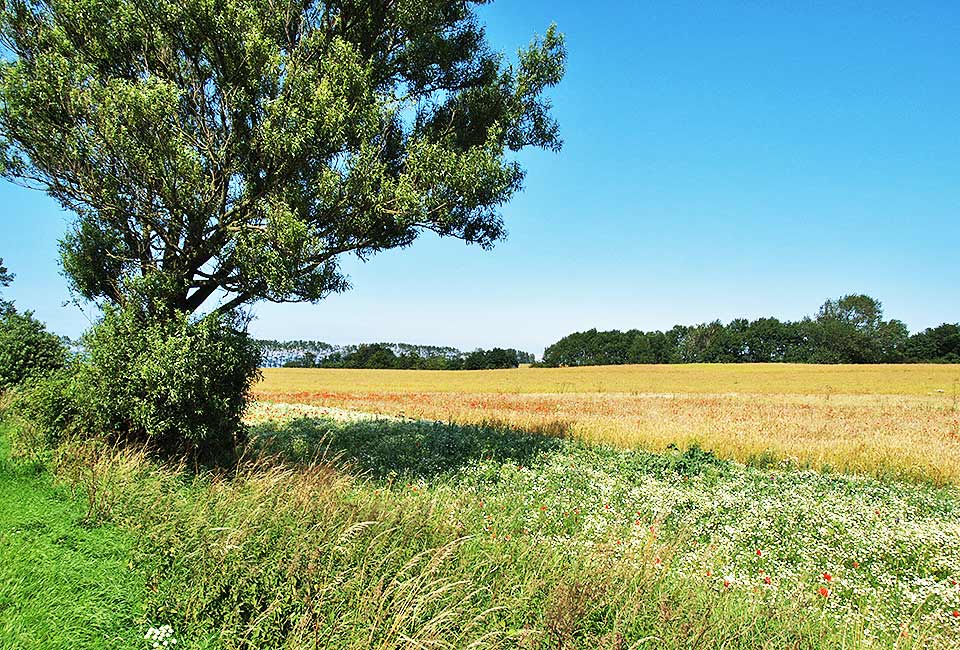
(893, 419)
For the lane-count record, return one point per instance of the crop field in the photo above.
(899, 421)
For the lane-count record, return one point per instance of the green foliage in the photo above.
(49, 410)
(859, 311)
(936, 344)
(491, 359)
(5, 276)
(240, 148)
(5, 279)
(308, 360)
(26, 348)
(848, 330)
(179, 385)
(370, 356)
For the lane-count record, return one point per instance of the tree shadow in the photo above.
(382, 447)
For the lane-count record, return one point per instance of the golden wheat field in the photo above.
(899, 420)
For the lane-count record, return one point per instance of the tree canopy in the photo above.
(27, 349)
(220, 152)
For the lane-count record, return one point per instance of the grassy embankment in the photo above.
(897, 421)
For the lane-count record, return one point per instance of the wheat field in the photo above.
(891, 420)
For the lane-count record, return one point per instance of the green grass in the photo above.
(62, 584)
(403, 534)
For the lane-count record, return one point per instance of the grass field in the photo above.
(899, 421)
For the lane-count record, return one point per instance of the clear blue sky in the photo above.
(722, 159)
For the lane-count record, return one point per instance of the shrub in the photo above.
(49, 408)
(26, 348)
(178, 385)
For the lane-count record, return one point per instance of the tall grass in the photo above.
(389, 535)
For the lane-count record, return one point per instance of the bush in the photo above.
(50, 409)
(178, 385)
(26, 348)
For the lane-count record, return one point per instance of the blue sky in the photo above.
(721, 160)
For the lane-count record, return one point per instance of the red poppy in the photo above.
(759, 553)
(543, 508)
(709, 573)
(856, 565)
(823, 591)
(955, 614)
(827, 577)
(767, 579)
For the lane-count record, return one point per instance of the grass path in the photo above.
(62, 584)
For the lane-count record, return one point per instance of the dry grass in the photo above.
(884, 420)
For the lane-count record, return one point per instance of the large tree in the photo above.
(220, 152)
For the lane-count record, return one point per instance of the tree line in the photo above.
(323, 349)
(410, 357)
(850, 329)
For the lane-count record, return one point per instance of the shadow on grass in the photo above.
(381, 447)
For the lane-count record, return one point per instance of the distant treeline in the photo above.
(399, 356)
(848, 330)
(322, 349)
